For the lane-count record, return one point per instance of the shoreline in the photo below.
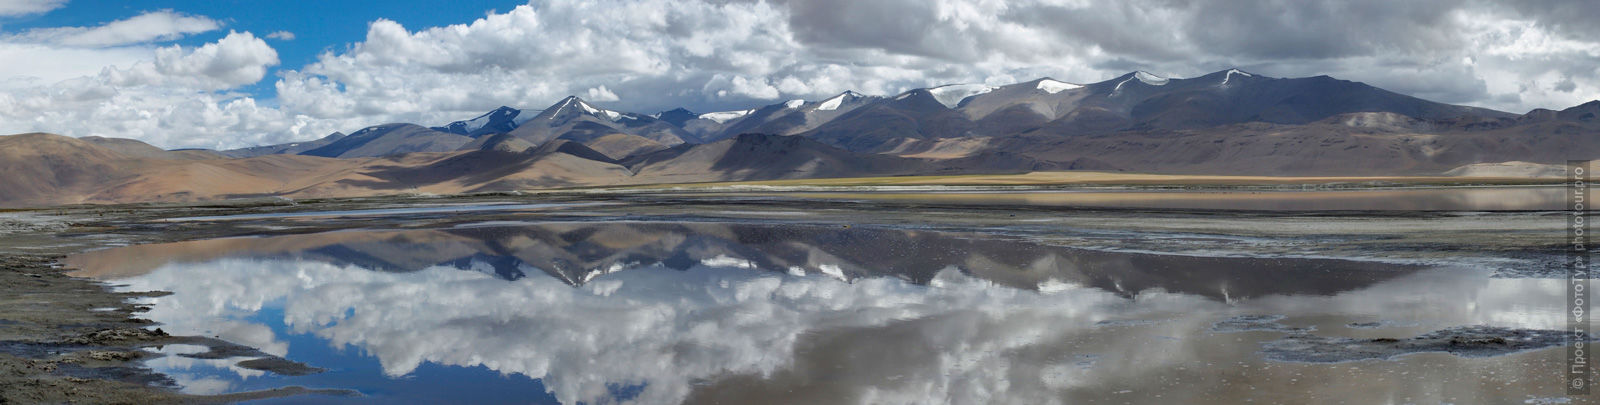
(72, 339)
(1072, 179)
(69, 339)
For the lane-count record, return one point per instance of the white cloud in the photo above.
(281, 35)
(602, 94)
(721, 55)
(235, 60)
(741, 87)
(170, 99)
(703, 55)
(149, 27)
(48, 65)
(24, 7)
(725, 55)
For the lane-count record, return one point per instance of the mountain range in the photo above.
(1227, 122)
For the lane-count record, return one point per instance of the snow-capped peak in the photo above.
(793, 104)
(1150, 78)
(951, 95)
(834, 103)
(1230, 74)
(725, 116)
(611, 115)
(1053, 86)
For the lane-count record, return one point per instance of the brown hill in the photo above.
(292, 148)
(1347, 144)
(44, 169)
(54, 169)
(622, 146)
(555, 164)
(764, 157)
(390, 139)
(134, 148)
(500, 142)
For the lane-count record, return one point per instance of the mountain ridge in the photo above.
(1136, 101)
(1229, 122)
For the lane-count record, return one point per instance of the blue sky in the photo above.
(212, 74)
(318, 26)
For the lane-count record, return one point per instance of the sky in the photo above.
(229, 73)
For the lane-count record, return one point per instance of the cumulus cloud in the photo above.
(653, 55)
(236, 60)
(175, 98)
(602, 94)
(149, 27)
(9, 8)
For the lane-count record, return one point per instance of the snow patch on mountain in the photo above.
(1118, 89)
(724, 116)
(1150, 78)
(1142, 77)
(1232, 72)
(834, 103)
(588, 108)
(611, 115)
(558, 109)
(951, 95)
(793, 104)
(1053, 86)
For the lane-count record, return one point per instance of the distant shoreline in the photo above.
(1111, 180)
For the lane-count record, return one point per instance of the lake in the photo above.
(627, 303)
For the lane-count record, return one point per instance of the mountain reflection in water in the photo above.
(669, 312)
(578, 252)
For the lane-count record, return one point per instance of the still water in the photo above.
(1529, 198)
(670, 312)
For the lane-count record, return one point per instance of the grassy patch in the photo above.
(1118, 179)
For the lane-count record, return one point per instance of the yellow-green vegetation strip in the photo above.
(1114, 179)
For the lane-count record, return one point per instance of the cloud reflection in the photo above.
(657, 328)
(740, 313)
(672, 332)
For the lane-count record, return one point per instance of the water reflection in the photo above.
(578, 252)
(742, 313)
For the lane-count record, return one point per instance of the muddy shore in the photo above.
(67, 339)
